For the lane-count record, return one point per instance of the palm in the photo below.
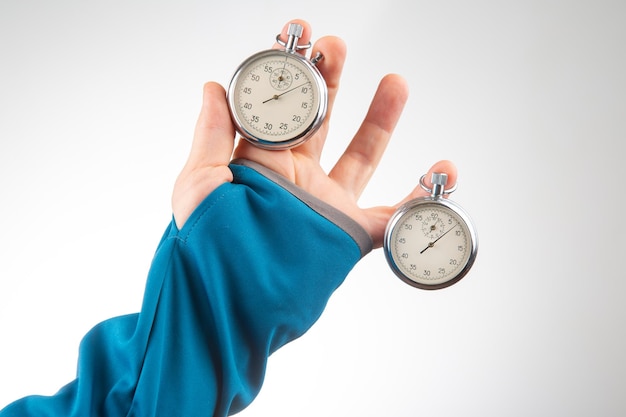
(212, 149)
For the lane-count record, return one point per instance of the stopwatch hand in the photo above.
(276, 96)
(431, 244)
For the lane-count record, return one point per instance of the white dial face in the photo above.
(276, 97)
(430, 244)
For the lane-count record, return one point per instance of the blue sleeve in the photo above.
(251, 270)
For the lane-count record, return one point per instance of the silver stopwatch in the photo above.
(278, 98)
(430, 242)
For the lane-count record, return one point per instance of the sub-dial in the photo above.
(432, 227)
(281, 79)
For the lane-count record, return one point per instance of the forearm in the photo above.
(251, 270)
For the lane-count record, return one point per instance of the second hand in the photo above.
(431, 244)
(275, 97)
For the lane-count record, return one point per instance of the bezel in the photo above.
(399, 214)
(291, 141)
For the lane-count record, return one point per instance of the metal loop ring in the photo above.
(430, 190)
(298, 47)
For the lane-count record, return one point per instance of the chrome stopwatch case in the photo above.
(278, 98)
(430, 242)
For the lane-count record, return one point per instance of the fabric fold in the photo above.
(251, 270)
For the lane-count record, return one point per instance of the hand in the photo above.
(214, 139)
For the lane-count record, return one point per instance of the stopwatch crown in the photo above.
(294, 33)
(294, 29)
(439, 181)
(439, 178)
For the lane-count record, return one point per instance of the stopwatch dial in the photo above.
(277, 97)
(430, 245)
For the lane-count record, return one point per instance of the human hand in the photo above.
(214, 139)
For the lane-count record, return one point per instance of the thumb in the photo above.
(214, 136)
(211, 150)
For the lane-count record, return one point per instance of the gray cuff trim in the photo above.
(339, 218)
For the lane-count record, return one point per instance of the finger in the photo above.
(214, 135)
(378, 217)
(444, 166)
(334, 51)
(357, 164)
(304, 39)
(276, 160)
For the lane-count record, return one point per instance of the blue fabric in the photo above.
(251, 270)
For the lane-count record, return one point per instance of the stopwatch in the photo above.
(431, 242)
(278, 98)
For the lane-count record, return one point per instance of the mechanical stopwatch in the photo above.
(431, 242)
(278, 98)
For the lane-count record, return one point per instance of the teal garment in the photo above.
(251, 270)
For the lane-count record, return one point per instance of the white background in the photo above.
(98, 102)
